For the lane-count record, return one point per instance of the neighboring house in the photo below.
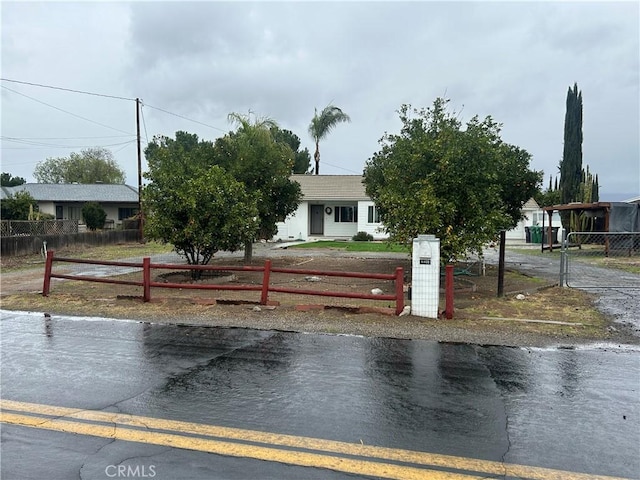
(65, 200)
(632, 200)
(333, 206)
(533, 216)
(337, 206)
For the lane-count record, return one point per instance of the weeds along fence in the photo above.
(264, 288)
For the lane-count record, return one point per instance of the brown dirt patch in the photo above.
(480, 317)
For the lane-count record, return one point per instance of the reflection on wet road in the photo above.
(86, 395)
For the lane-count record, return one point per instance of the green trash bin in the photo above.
(536, 234)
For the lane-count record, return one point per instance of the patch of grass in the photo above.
(627, 264)
(554, 304)
(118, 251)
(356, 246)
(106, 252)
(535, 251)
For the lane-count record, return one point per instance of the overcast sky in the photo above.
(512, 60)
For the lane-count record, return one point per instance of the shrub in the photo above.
(362, 237)
(94, 215)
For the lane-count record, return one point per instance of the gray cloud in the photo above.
(513, 61)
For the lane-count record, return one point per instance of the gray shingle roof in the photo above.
(331, 187)
(66, 192)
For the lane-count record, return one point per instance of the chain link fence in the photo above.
(601, 260)
(21, 228)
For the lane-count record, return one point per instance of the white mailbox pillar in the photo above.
(425, 276)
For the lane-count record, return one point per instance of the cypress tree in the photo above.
(571, 164)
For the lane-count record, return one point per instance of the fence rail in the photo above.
(601, 260)
(265, 287)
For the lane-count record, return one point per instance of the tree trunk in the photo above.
(248, 252)
(316, 157)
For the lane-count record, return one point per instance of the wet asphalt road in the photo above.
(572, 410)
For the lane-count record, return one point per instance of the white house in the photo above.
(533, 216)
(337, 206)
(65, 200)
(333, 206)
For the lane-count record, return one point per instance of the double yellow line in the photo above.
(345, 457)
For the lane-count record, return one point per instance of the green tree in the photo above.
(571, 163)
(192, 204)
(462, 184)
(322, 124)
(93, 215)
(550, 196)
(18, 206)
(302, 158)
(92, 165)
(263, 165)
(8, 180)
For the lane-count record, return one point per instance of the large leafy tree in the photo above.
(193, 204)
(321, 124)
(301, 158)
(263, 165)
(571, 163)
(92, 165)
(8, 180)
(462, 184)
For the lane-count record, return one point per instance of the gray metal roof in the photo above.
(331, 187)
(67, 192)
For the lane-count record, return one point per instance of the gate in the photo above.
(601, 260)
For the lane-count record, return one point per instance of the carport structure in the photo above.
(617, 217)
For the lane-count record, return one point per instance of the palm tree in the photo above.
(261, 125)
(322, 124)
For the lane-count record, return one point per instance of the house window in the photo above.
(346, 214)
(124, 213)
(75, 213)
(373, 215)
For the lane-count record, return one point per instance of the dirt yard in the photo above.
(531, 312)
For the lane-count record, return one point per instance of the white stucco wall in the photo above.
(374, 229)
(296, 226)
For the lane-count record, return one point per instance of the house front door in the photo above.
(317, 220)
(59, 212)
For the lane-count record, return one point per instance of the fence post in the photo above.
(503, 236)
(399, 290)
(265, 282)
(47, 274)
(448, 288)
(146, 279)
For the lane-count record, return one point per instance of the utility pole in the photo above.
(140, 215)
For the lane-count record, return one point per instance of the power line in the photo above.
(185, 118)
(96, 95)
(66, 138)
(65, 111)
(67, 89)
(341, 168)
(144, 124)
(54, 145)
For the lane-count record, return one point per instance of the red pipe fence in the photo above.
(264, 288)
